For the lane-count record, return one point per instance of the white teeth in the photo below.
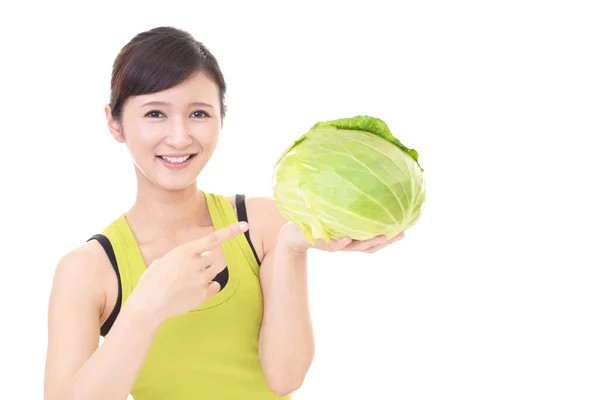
(175, 160)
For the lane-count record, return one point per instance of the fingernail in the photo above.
(243, 225)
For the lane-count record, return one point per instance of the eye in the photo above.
(154, 114)
(200, 114)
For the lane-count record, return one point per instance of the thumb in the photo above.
(212, 289)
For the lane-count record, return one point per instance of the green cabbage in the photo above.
(349, 177)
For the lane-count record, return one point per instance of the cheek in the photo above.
(211, 142)
(207, 139)
(209, 146)
(144, 137)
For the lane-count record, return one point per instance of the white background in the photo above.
(493, 295)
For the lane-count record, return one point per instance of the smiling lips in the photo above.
(176, 161)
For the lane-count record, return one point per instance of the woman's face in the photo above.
(172, 134)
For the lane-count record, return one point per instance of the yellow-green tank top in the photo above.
(210, 352)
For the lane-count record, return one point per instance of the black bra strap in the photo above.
(240, 204)
(106, 245)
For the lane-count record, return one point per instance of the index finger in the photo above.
(217, 238)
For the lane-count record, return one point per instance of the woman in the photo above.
(192, 304)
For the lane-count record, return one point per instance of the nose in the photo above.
(178, 136)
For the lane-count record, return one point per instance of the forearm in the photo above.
(111, 371)
(286, 341)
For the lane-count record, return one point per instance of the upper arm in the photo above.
(75, 307)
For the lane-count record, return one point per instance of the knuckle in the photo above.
(213, 241)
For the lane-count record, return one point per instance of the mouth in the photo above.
(176, 161)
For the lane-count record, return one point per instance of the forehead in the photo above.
(197, 88)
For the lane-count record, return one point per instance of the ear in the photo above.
(113, 125)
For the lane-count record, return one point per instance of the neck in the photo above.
(161, 211)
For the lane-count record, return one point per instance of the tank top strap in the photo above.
(129, 257)
(220, 209)
(223, 214)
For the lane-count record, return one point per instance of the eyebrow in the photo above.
(162, 103)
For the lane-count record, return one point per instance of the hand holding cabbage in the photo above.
(349, 178)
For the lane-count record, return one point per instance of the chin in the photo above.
(175, 186)
(175, 182)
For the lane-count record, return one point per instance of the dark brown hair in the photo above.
(159, 59)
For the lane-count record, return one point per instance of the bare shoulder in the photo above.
(83, 274)
(264, 220)
(267, 218)
(265, 210)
